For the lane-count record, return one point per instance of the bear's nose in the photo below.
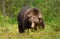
(33, 17)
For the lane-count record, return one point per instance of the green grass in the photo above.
(11, 32)
(9, 29)
(51, 13)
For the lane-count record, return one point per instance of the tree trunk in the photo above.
(3, 8)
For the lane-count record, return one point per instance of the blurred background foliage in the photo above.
(9, 10)
(50, 9)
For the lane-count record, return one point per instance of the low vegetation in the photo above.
(8, 20)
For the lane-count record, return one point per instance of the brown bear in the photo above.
(28, 18)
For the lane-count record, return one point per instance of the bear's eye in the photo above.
(39, 18)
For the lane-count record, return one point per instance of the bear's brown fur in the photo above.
(28, 18)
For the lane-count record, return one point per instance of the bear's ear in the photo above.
(35, 11)
(42, 23)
